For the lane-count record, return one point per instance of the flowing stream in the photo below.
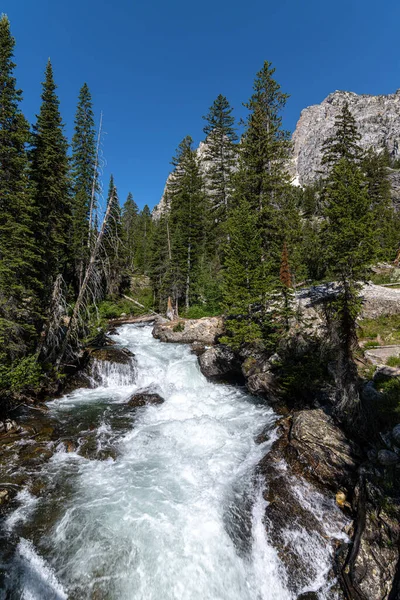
(167, 506)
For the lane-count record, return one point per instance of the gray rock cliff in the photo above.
(378, 121)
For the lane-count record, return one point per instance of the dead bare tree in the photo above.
(85, 287)
(94, 182)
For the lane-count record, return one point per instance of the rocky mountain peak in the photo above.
(378, 121)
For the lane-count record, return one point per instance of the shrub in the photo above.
(23, 374)
(393, 361)
(179, 327)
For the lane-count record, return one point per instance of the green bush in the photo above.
(23, 374)
(393, 361)
(370, 345)
(179, 327)
(200, 311)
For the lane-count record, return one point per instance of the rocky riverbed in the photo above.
(321, 490)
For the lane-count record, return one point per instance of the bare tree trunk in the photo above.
(96, 164)
(86, 280)
(188, 277)
(169, 242)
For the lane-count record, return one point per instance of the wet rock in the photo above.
(219, 363)
(121, 356)
(78, 381)
(69, 446)
(308, 596)
(292, 525)
(188, 331)
(198, 348)
(370, 567)
(384, 373)
(396, 434)
(322, 450)
(260, 380)
(143, 398)
(264, 384)
(387, 458)
(11, 426)
(4, 496)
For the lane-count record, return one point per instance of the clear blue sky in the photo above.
(154, 67)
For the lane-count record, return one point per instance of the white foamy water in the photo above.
(176, 515)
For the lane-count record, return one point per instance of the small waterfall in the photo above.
(176, 512)
(109, 374)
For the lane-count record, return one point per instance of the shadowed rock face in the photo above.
(219, 363)
(378, 122)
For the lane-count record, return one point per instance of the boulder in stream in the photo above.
(219, 363)
(121, 356)
(188, 331)
(143, 398)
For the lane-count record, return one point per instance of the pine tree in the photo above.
(344, 142)
(263, 186)
(17, 246)
(187, 201)
(84, 179)
(113, 258)
(350, 246)
(386, 220)
(144, 241)
(130, 227)
(49, 176)
(285, 278)
(220, 157)
(160, 261)
(242, 283)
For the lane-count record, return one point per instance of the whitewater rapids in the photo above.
(176, 514)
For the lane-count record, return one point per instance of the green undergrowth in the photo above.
(199, 311)
(23, 374)
(114, 308)
(382, 331)
(393, 361)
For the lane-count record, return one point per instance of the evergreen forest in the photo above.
(233, 235)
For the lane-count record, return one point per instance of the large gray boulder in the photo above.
(219, 363)
(322, 450)
(188, 331)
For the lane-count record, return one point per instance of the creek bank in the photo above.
(313, 452)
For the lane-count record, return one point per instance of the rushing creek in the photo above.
(172, 510)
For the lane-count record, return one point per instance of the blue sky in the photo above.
(154, 67)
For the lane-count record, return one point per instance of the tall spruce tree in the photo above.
(49, 176)
(130, 227)
(386, 220)
(186, 193)
(242, 282)
(144, 241)
(17, 247)
(344, 142)
(113, 258)
(350, 245)
(263, 185)
(84, 180)
(160, 261)
(220, 157)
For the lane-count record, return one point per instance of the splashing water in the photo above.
(177, 514)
